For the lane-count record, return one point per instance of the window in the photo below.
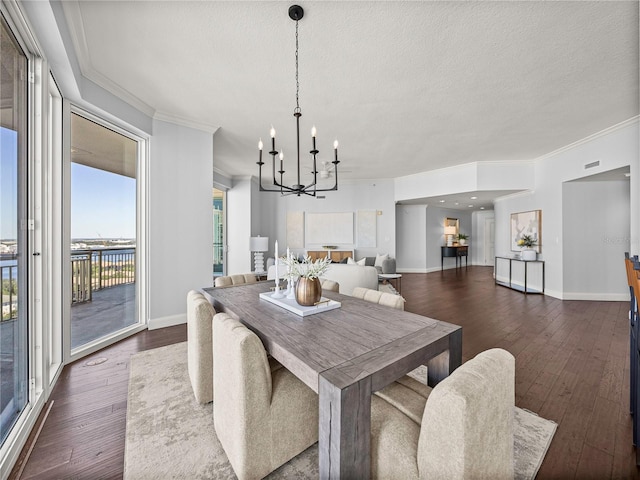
(14, 345)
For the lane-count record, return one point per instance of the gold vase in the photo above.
(308, 291)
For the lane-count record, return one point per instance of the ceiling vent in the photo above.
(592, 164)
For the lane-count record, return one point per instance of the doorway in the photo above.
(104, 243)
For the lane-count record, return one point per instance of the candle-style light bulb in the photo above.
(313, 131)
(272, 132)
(281, 155)
(335, 145)
(260, 144)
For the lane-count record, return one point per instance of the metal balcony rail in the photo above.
(9, 275)
(93, 270)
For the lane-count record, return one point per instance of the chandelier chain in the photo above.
(297, 82)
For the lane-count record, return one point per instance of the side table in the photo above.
(392, 276)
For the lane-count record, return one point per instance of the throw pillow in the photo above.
(361, 262)
(380, 259)
(351, 261)
(345, 260)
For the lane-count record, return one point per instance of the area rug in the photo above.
(170, 436)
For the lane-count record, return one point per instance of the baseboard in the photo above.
(596, 297)
(170, 321)
(425, 270)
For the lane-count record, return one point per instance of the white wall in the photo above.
(470, 177)
(615, 148)
(596, 235)
(239, 226)
(180, 220)
(351, 196)
(477, 239)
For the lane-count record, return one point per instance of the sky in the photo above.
(103, 204)
(8, 183)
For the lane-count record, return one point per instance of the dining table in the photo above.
(345, 355)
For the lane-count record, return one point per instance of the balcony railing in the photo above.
(9, 275)
(93, 270)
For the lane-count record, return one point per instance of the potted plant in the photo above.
(527, 242)
(462, 238)
(308, 288)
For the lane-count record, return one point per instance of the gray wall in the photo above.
(420, 236)
(180, 220)
(411, 238)
(596, 235)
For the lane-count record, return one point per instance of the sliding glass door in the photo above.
(218, 232)
(103, 231)
(14, 225)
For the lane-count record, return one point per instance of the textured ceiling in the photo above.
(405, 86)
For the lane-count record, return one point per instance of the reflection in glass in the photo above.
(14, 380)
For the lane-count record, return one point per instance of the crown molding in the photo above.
(220, 172)
(185, 122)
(75, 27)
(590, 138)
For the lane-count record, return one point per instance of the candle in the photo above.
(313, 136)
(260, 149)
(288, 257)
(276, 257)
(272, 132)
(281, 158)
(335, 148)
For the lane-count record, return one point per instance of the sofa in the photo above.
(349, 277)
(382, 263)
(346, 276)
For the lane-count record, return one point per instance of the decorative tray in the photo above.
(290, 304)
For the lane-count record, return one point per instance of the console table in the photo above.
(335, 255)
(457, 251)
(520, 283)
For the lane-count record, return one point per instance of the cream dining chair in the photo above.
(461, 429)
(199, 354)
(239, 279)
(381, 298)
(263, 415)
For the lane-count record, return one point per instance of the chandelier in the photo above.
(295, 13)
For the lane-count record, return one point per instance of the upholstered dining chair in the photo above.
(199, 354)
(461, 429)
(329, 285)
(263, 415)
(239, 279)
(382, 298)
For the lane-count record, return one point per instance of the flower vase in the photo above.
(308, 291)
(528, 254)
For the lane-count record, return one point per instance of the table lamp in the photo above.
(449, 232)
(258, 245)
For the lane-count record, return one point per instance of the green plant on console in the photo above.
(526, 241)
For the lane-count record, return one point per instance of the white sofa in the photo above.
(352, 276)
(348, 277)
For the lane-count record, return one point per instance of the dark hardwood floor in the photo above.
(572, 366)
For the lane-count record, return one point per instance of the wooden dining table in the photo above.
(345, 355)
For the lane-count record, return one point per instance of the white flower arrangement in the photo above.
(307, 268)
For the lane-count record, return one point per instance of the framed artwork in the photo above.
(526, 223)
